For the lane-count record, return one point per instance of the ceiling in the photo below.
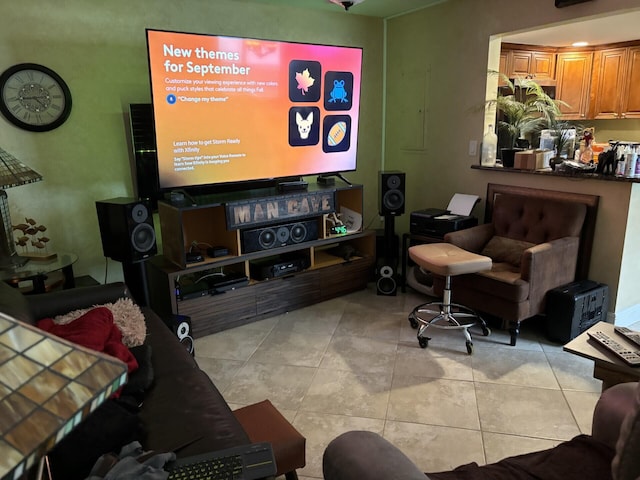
(609, 29)
(371, 8)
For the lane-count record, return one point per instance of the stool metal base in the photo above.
(450, 316)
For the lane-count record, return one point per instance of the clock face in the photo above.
(34, 97)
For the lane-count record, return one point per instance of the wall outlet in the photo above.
(473, 148)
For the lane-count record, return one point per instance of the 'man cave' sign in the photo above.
(283, 207)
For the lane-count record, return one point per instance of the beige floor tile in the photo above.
(290, 348)
(514, 367)
(234, 344)
(284, 385)
(371, 323)
(320, 429)
(573, 372)
(433, 401)
(435, 448)
(582, 405)
(220, 371)
(360, 354)
(322, 318)
(498, 446)
(525, 411)
(434, 362)
(348, 393)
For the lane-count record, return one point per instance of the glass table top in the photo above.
(36, 267)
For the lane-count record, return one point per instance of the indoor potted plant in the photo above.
(523, 109)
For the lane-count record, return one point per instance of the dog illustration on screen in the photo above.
(304, 125)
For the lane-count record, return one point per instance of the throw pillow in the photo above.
(626, 463)
(127, 316)
(507, 250)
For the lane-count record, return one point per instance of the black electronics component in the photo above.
(273, 267)
(630, 357)
(436, 223)
(217, 251)
(274, 236)
(573, 308)
(194, 257)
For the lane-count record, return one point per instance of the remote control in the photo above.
(629, 356)
(629, 334)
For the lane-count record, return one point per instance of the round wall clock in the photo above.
(34, 97)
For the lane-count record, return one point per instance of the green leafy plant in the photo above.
(525, 109)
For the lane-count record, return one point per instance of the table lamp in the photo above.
(13, 173)
(47, 387)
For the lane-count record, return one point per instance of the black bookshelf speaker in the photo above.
(126, 229)
(180, 325)
(386, 277)
(391, 187)
(265, 238)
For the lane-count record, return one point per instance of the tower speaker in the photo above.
(180, 325)
(268, 237)
(391, 187)
(126, 229)
(386, 277)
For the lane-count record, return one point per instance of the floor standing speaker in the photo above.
(126, 229)
(180, 325)
(391, 188)
(387, 276)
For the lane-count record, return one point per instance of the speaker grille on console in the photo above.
(275, 236)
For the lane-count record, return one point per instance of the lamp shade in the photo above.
(47, 387)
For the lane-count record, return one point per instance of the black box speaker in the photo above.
(126, 229)
(573, 308)
(391, 188)
(274, 236)
(180, 325)
(387, 276)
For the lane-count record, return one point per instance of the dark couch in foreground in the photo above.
(612, 451)
(182, 410)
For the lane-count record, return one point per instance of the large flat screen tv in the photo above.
(230, 109)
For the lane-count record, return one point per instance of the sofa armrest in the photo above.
(472, 239)
(60, 302)
(360, 455)
(612, 407)
(547, 266)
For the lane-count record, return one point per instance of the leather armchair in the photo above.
(534, 244)
(610, 452)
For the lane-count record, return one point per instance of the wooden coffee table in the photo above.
(607, 366)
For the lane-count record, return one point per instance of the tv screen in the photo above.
(230, 109)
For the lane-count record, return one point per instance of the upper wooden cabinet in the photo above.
(573, 75)
(608, 82)
(539, 65)
(631, 95)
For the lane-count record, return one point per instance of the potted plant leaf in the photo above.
(524, 108)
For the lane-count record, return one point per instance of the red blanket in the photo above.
(95, 330)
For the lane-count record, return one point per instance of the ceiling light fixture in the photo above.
(579, 44)
(346, 4)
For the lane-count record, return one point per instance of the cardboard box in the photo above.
(529, 159)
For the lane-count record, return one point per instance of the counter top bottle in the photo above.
(489, 148)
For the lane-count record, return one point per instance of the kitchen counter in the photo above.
(553, 173)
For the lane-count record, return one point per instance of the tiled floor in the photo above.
(354, 363)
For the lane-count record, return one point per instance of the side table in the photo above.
(607, 366)
(37, 270)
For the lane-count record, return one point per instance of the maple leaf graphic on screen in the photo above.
(304, 80)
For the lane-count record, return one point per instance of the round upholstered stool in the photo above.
(447, 260)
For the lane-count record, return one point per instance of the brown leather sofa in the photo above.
(611, 452)
(534, 244)
(182, 411)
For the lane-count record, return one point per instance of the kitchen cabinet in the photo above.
(573, 83)
(539, 65)
(615, 93)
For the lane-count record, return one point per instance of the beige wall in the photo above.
(99, 49)
(437, 61)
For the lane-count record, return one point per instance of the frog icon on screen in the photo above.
(338, 93)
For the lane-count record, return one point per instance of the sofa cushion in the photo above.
(507, 250)
(626, 464)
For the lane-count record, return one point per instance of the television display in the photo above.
(230, 109)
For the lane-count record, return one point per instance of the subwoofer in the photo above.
(126, 229)
(180, 325)
(386, 275)
(273, 236)
(391, 187)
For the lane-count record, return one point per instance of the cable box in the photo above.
(273, 267)
(229, 281)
